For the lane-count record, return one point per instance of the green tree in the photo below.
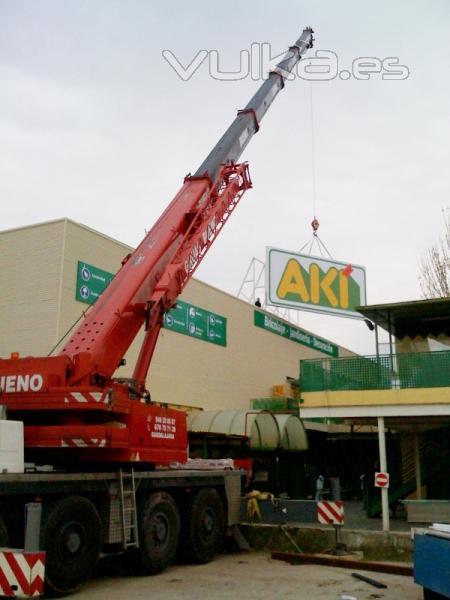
(435, 265)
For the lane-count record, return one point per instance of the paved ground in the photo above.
(247, 576)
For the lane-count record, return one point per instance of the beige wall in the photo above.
(30, 268)
(193, 372)
(85, 245)
(42, 264)
(420, 344)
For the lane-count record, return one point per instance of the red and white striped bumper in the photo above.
(330, 512)
(21, 573)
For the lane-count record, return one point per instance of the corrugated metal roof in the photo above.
(415, 318)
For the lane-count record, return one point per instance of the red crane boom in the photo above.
(72, 400)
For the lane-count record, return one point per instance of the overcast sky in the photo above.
(96, 126)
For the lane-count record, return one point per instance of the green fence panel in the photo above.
(424, 369)
(280, 404)
(412, 370)
(360, 373)
(312, 376)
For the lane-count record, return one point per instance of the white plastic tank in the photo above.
(201, 421)
(11, 447)
(292, 433)
(259, 426)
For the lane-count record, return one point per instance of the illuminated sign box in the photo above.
(316, 284)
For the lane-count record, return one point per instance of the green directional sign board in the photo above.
(294, 334)
(197, 322)
(91, 281)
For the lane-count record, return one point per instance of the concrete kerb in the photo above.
(374, 545)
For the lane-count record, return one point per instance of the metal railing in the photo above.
(399, 371)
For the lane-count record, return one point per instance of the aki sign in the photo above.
(315, 284)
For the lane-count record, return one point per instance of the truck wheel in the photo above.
(159, 531)
(204, 526)
(71, 536)
(3, 534)
(430, 595)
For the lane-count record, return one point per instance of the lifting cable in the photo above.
(83, 314)
(313, 153)
(315, 223)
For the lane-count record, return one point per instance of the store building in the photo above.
(215, 351)
(406, 394)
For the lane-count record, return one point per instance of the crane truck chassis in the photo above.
(151, 516)
(112, 486)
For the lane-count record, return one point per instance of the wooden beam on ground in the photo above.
(344, 562)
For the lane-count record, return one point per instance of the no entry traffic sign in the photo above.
(382, 480)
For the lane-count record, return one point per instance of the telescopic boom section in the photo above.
(238, 135)
(153, 276)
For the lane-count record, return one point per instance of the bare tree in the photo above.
(435, 265)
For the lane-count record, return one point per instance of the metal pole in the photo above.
(390, 336)
(377, 351)
(340, 549)
(417, 466)
(391, 349)
(33, 512)
(383, 468)
(391, 352)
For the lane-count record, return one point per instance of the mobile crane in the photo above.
(93, 427)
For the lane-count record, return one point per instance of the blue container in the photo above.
(432, 563)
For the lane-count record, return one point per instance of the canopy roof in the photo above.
(415, 318)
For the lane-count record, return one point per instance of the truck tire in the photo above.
(430, 595)
(159, 531)
(71, 536)
(4, 541)
(203, 526)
